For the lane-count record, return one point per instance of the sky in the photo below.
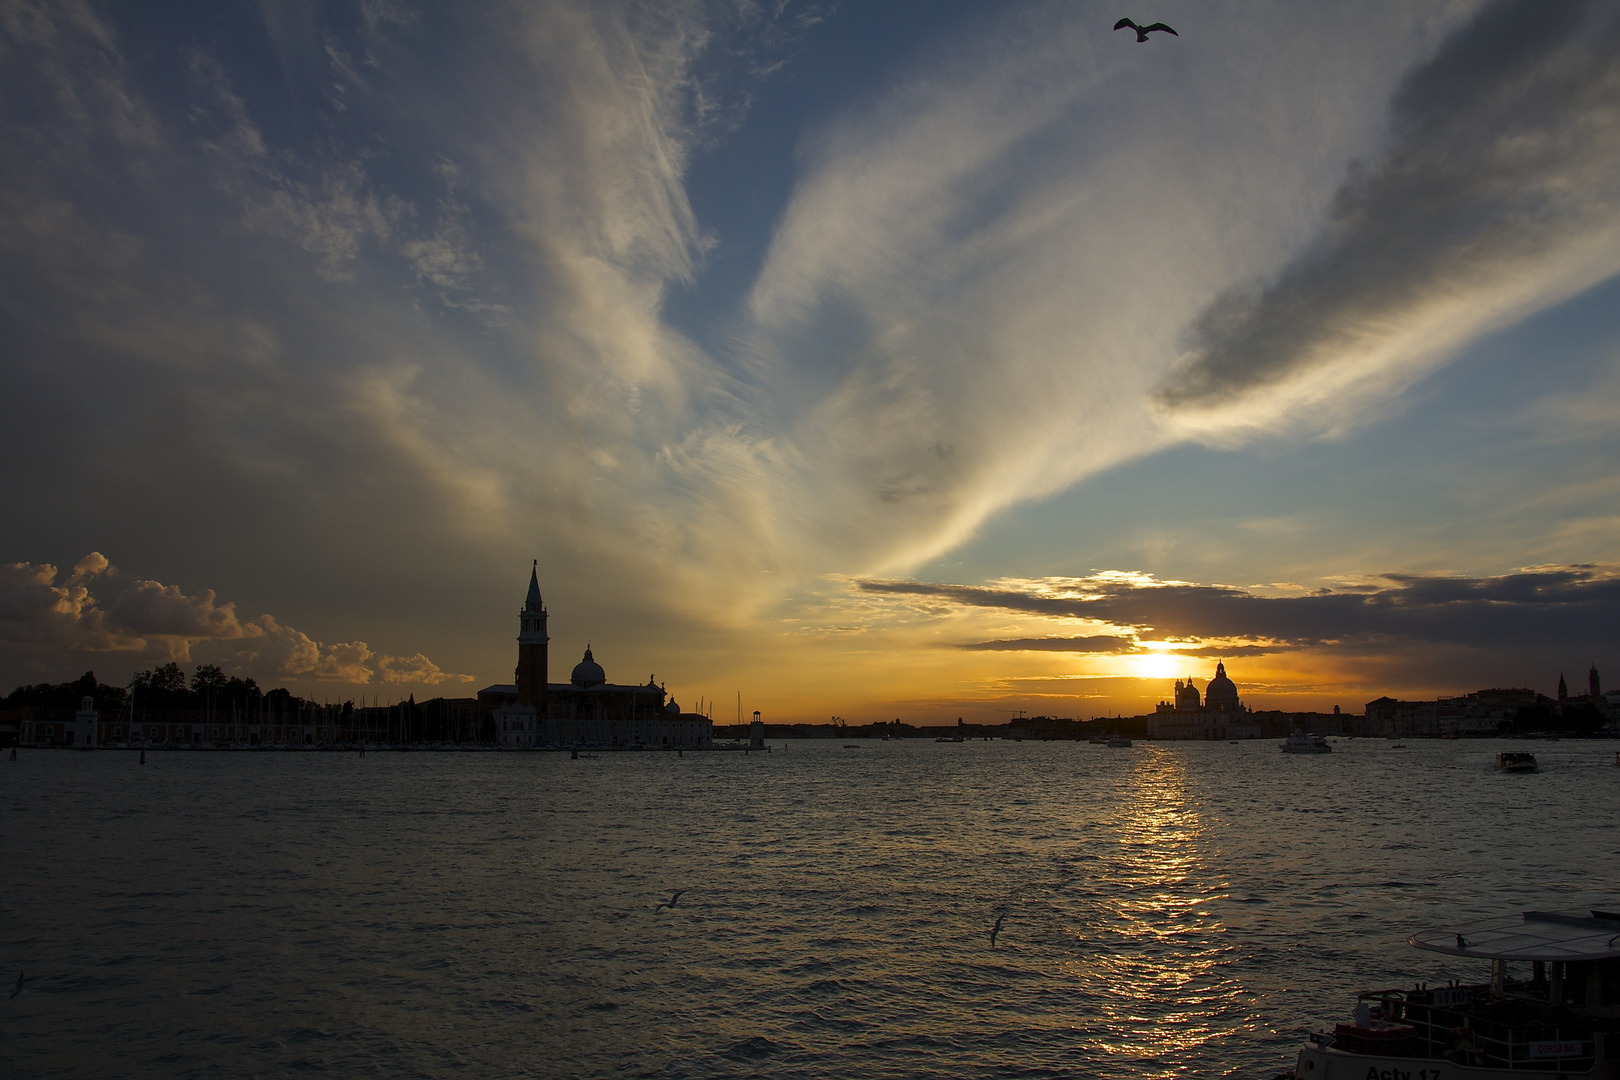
(907, 359)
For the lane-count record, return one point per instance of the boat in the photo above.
(1119, 742)
(948, 738)
(852, 746)
(1515, 761)
(1303, 742)
(1551, 1008)
(1102, 740)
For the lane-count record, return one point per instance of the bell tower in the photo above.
(532, 672)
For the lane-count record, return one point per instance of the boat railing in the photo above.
(1472, 1025)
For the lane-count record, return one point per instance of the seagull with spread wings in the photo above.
(673, 897)
(1143, 31)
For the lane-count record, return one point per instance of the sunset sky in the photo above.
(904, 358)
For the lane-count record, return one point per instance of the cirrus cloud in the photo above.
(1493, 199)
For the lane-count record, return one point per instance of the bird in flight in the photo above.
(18, 990)
(1143, 31)
(996, 929)
(673, 897)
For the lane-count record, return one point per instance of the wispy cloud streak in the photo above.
(1494, 198)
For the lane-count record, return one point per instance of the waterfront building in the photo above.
(47, 727)
(1216, 714)
(1388, 716)
(587, 710)
(84, 724)
(1481, 713)
(36, 730)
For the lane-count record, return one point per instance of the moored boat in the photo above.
(1304, 742)
(1516, 761)
(1119, 742)
(1551, 1008)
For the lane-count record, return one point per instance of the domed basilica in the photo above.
(1216, 714)
(587, 710)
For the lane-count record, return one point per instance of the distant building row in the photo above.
(586, 711)
(1219, 714)
(88, 729)
(1484, 712)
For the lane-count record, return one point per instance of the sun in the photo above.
(1157, 665)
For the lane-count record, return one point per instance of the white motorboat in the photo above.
(1551, 1008)
(1302, 742)
(1516, 761)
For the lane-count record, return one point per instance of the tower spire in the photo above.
(531, 674)
(532, 601)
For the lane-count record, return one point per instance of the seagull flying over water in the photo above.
(1143, 31)
(996, 929)
(18, 990)
(673, 897)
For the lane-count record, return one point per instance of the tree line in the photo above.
(164, 687)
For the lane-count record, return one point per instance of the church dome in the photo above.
(672, 708)
(1221, 694)
(588, 672)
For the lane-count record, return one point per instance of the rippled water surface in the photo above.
(1185, 909)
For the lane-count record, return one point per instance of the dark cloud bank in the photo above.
(97, 618)
(1567, 607)
(1502, 155)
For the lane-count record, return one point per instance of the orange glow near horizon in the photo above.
(1157, 665)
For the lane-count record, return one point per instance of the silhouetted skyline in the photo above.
(886, 360)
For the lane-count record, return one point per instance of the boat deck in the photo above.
(1477, 1026)
(1560, 1016)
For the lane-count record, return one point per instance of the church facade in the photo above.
(1218, 713)
(587, 710)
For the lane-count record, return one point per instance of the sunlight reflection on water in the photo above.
(1171, 910)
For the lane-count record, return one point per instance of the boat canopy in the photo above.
(1554, 936)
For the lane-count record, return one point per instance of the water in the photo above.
(1171, 910)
